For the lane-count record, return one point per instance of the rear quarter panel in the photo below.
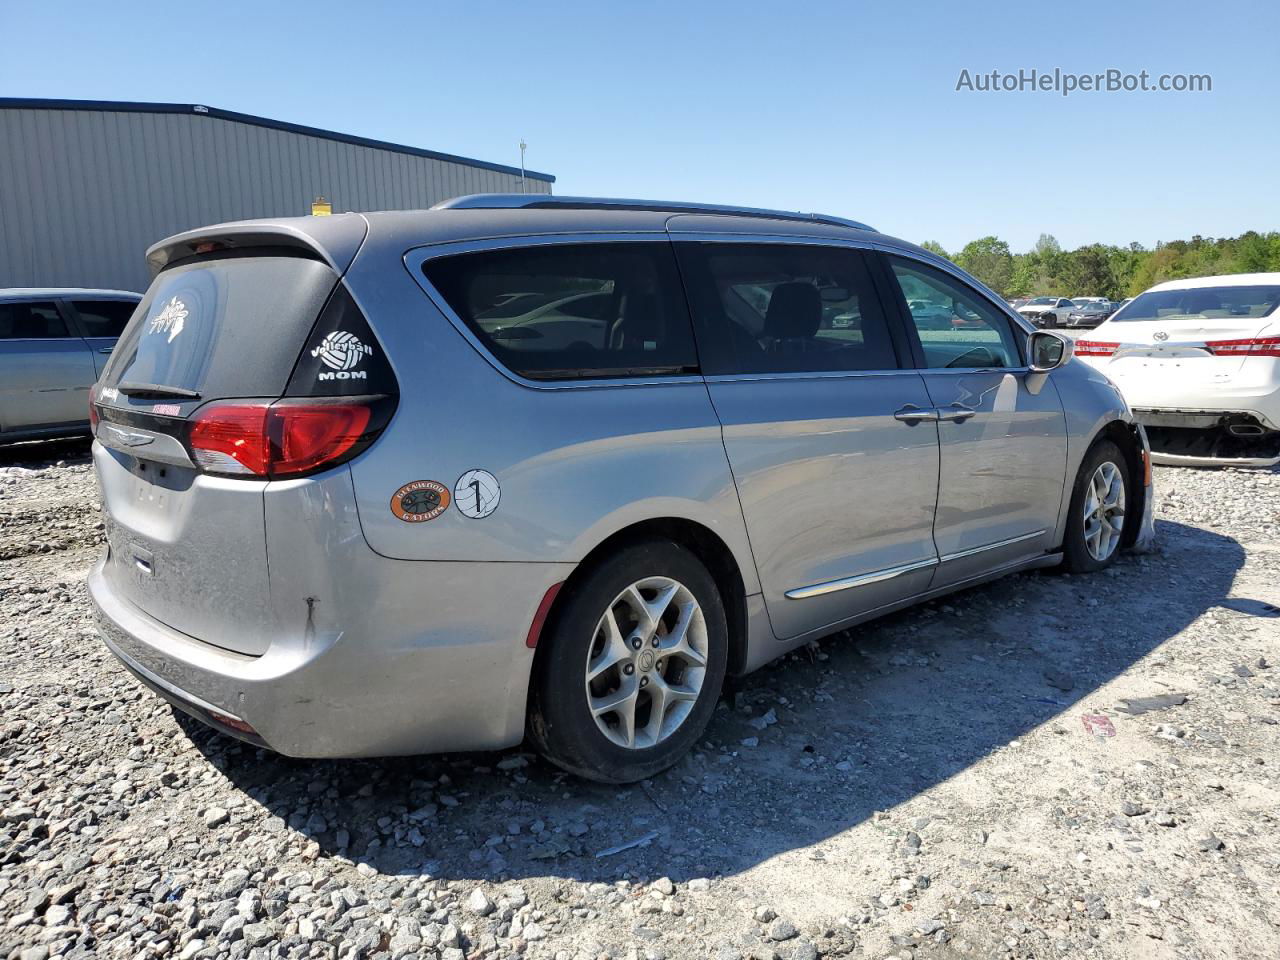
(575, 464)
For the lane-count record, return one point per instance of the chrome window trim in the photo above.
(810, 375)
(70, 336)
(846, 583)
(970, 371)
(415, 257)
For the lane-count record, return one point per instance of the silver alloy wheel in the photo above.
(646, 663)
(1104, 511)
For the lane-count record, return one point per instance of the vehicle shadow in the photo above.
(864, 722)
(45, 453)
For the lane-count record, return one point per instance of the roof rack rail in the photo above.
(543, 201)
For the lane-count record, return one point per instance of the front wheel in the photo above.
(633, 667)
(1097, 520)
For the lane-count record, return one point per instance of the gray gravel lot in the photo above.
(1049, 766)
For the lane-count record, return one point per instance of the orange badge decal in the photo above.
(420, 501)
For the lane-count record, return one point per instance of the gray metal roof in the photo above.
(199, 109)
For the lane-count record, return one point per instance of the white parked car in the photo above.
(1199, 363)
(1047, 311)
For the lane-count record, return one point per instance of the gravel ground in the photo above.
(1049, 766)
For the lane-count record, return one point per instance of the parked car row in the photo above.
(1078, 312)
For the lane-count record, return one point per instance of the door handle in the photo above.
(955, 413)
(913, 414)
(105, 349)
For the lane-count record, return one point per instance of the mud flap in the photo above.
(1146, 539)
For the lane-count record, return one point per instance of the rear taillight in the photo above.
(231, 438)
(93, 409)
(1095, 348)
(1253, 347)
(310, 437)
(287, 438)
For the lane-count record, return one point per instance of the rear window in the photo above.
(104, 318)
(1211, 303)
(228, 327)
(30, 321)
(573, 310)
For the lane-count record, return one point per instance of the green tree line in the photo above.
(1100, 270)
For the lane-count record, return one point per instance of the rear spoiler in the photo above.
(334, 240)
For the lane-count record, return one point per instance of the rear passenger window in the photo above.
(31, 321)
(957, 327)
(104, 318)
(785, 308)
(573, 310)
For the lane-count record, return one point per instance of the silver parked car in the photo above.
(552, 467)
(53, 345)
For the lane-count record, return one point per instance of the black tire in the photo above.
(1077, 557)
(560, 723)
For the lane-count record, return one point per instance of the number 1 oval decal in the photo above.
(476, 494)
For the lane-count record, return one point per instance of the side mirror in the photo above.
(1049, 351)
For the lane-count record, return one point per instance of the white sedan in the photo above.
(1199, 363)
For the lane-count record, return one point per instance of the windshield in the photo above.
(1211, 303)
(1038, 301)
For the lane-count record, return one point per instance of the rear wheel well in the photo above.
(704, 544)
(1126, 437)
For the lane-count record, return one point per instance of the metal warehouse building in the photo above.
(86, 186)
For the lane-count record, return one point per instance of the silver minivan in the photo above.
(551, 468)
(53, 345)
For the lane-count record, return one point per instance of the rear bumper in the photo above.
(1193, 418)
(456, 681)
(1178, 460)
(1210, 438)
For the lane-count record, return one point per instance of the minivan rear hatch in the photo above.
(232, 361)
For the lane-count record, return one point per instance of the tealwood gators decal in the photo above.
(342, 352)
(420, 501)
(171, 319)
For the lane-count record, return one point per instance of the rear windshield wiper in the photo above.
(131, 389)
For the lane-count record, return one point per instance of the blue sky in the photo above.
(848, 108)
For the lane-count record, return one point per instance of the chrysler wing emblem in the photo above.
(127, 437)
